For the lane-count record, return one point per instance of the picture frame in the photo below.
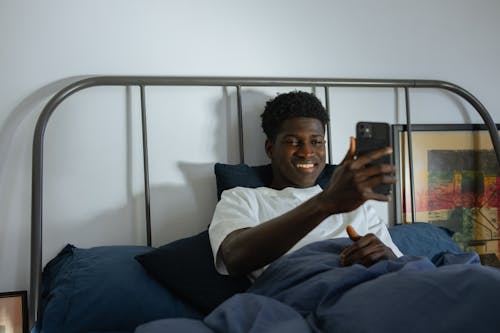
(14, 312)
(456, 183)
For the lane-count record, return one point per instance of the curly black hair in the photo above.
(291, 105)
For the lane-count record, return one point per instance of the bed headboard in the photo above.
(238, 82)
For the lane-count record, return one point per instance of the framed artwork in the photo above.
(14, 312)
(456, 183)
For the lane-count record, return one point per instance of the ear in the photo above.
(269, 148)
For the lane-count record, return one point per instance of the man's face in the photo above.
(297, 153)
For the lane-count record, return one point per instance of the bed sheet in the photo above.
(307, 291)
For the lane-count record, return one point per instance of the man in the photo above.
(253, 227)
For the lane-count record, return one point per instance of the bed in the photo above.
(84, 289)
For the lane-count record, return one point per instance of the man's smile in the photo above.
(306, 166)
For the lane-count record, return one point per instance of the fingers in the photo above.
(377, 169)
(367, 177)
(366, 251)
(365, 181)
(353, 235)
(367, 158)
(369, 258)
(362, 172)
(353, 181)
(360, 243)
(352, 147)
(376, 175)
(351, 152)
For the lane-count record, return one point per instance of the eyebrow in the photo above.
(298, 136)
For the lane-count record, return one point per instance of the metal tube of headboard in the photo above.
(328, 127)
(37, 157)
(145, 158)
(240, 124)
(410, 155)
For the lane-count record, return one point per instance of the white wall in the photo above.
(96, 177)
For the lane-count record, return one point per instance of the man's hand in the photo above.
(352, 182)
(366, 250)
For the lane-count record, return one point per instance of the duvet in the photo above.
(307, 291)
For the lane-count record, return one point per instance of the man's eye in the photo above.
(318, 142)
(293, 143)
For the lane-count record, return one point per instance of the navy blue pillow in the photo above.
(424, 239)
(103, 289)
(232, 175)
(186, 267)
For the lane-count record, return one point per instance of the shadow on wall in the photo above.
(27, 109)
(176, 210)
(227, 133)
(459, 104)
(179, 211)
(253, 135)
(16, 137)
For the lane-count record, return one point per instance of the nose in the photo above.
(306, 149)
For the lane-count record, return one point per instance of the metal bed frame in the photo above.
(238, 83)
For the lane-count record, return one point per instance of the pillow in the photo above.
(424, 239)
(186, 267)
(232, 175)
(103, 289)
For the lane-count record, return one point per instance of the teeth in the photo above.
(305, 165)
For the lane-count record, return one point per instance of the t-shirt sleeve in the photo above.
(379, 229)
(235, 210)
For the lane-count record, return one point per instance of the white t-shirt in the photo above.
(248, 207)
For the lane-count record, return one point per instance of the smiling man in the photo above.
(253, 227)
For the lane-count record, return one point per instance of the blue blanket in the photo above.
(307, 291)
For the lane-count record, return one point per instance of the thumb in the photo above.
(353, 235)
(352, 150)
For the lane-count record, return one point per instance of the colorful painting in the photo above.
(456, 184)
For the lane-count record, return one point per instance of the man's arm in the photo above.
(246, 250)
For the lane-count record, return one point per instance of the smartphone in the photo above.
(372, 136)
